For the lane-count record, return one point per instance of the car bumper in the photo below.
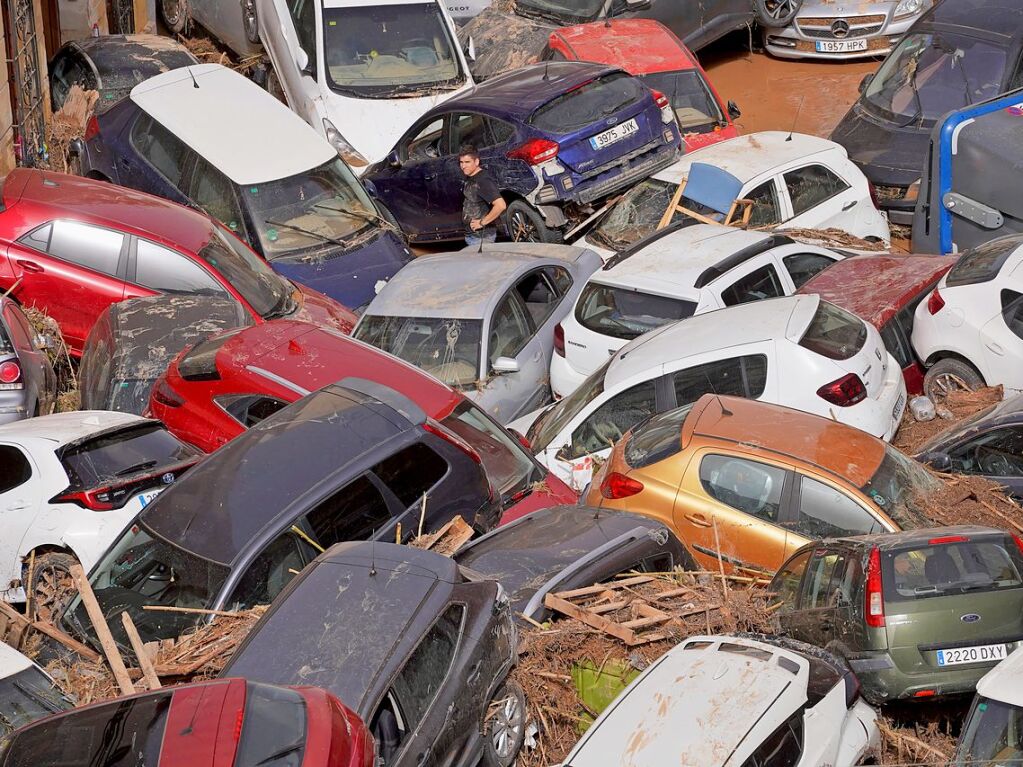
(799, 39)
(12, 406)
(607, 180)
(565, 379)
(880, 415)
(882, 681)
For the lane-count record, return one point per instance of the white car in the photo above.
(27, 692)
(969, 331)
(69, 483)
(731, 701)
(362, 71)
(993, 731)
(801, 181)
(797, 351)
(674, 274)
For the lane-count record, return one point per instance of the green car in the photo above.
(915, 614)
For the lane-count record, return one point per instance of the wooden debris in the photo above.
(99, 625)
(145, 662)
(447, 540)
(15, 630)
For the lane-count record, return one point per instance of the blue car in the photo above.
(206, 137)
(557, 137)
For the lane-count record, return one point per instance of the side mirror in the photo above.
(505, 365)
(394, 159)
(470, 49)
(937, 460)
(733, 110)
(865, 82)
(302, 61)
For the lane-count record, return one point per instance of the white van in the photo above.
(993, 731)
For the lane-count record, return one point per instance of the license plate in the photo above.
(841, 46)
(146, 498)
(984, 653)
(900, 405)
(611, 135)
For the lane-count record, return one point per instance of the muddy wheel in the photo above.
(948, 375)
(274, 87)
(525, 224)
(777, 13)
(250, 21)
(174, 14)
(504, 729)
(52, 587)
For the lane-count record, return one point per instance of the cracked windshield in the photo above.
(446, 348)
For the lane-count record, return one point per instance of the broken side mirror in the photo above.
(394, 159)
(470, 49)
(865, 82)
(938, 460)
(505, 365)
(733, 110)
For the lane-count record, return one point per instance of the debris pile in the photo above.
(907, 746)
(67, 124)
(958, 406)
(972, 500)
(68, 394)
(830, 238)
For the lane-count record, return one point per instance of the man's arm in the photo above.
(488, 191)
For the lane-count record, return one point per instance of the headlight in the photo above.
(348, 153)
(908, 7)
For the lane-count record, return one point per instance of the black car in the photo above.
(352, 461)
(565, 547)
(418, 646)
(990, 444)
(961, 52)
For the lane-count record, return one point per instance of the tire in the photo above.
(250, 20)
(51, 585)
(525, 224)
(950, 374)
(504, 728)
(174, 15)
(776, 13)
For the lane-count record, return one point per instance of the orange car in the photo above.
(751, 482)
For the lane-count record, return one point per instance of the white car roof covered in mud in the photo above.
(61, 428)
(1005, 681)
(231, 122)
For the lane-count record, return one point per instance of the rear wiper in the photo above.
(282, 752)
(308, 233)
(142, 466)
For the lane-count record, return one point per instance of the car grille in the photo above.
(604, 180)
(858, 26)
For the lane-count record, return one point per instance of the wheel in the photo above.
(776, 13)
(504, 728)
(948, 375)
(274, 87)
(250, 20)
(525, 224)
(52, 587)
(175, 15)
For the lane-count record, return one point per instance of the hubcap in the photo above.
(172, 11)
(946, 383)
(507, 726)
(780, 9)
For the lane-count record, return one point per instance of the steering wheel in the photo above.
(993, 463)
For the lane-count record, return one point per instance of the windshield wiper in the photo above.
(141, 466)
(282, 752)
(307, 232)
(363, 215)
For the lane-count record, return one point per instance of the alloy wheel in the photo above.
(523, 230)
(506, 726)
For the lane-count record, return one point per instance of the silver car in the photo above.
(28, 385)
(485, 321)
(842, 29)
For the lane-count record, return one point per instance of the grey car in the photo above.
(28, 385)
(483, 321)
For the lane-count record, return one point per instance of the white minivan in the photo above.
(993, 731)
(362, 71)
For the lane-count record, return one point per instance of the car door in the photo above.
(20, 495)
(287, 27)
(996, 453)
(786, 588)
(160, 163)
(822, 509)
(824, 617)
(492, 139)
(512, 336)
(35, 365)
(213, 192)
(817, 198)
(1002, 337)
(767, 200)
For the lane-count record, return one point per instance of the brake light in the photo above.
(873, 195)
(437, 430)
(874, 595)
(165, 395)
(522, 439)
(667, 115)
(99, 499)
(1019, 543)
(559, 340)
(948, 539)
(617, 485)
(846, 391)
(935, 303)
(91, 128)
(10, 375)
(924, 694)
(535, 151)
(238, 724)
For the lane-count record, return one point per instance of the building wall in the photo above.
(78, 16)
(7, 162)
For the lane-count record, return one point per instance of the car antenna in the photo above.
(195, 83)
(546, 67)
(794, 119)
(724, 410)
(195, 711)
(372, 558)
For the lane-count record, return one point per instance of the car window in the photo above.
(270, 571)
(826, 512)
(765, 204)
(749, 486)
(755, 286)
(250, 409)
(952, 565)
(160, 148)
(15, 470)
(997, 453)
(738, 376)
(38, 238)
(782, 748)
(539, 295)
(166, 270)
(411, 473)
(834, 333)
(89, 246)
(609, 422)
(426, 143)
(984, 262)
(802, 266)
(897, 343)
(560, 277)
(471, 129)
(810, 186)
(21, 333)
(303, 14)
(509, 328)
(1012, 311)
(214, 193)
(824, 580)
(498, 131)
(785, 585)
(353, 513)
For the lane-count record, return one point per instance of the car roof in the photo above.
(916, 537)
(641, 46)
(876, 288)
(464, 284)
(244, 132)
(760, 426)
(142, 52)
(61, 428)
(769, 319)
(1003, 682)
(1001, 18)
(751, 155)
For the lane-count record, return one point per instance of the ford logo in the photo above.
(167, 478)
(970, 618)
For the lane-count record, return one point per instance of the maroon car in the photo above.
(884, 290)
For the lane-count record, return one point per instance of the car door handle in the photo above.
(699, 520)
(429, 176)
(996, 348)
(849, 205)
(17, 505)
(29, 266)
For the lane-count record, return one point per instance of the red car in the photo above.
(220, 723)
(214, 391)
(650, 51)
(884, 291)
(74, 246)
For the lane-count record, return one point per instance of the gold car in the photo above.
(748, 483)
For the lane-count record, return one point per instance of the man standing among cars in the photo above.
(482, 203)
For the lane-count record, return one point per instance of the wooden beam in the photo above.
(9, 615)
(99, 625)
(145, 662)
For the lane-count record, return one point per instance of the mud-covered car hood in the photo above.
(886, 153)
(503, 42)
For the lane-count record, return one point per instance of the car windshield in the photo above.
(389, 50)
(266, 292)
(507, 464)
(588, 103)
(931, 73)
(635, 215)
(624, 313)
(27, 696)
(993, 735)
(565, 12)
(695, 107)
(951, 565)
(550, 423)
(446, 348)
(901, 487)
(310, 210)
(143, 569)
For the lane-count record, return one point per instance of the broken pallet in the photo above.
(593, 605)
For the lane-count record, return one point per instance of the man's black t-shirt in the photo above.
(479, 193)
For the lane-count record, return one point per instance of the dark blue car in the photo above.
(557, 137)
(257, 167)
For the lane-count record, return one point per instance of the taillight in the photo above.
(522, 439)
(437, 430)
(535, 151)
(165, 395)
(846, 391)
(1019, 543)
(873, 195)
(10, 375)
(667, 115)
(91, 128)
(99, 499)
(617, 485)
(238, 724)
(559, 340)
(875, 597)
(947, 539)
(935, 303)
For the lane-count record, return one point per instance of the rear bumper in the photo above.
(13, 405)
(565, 379)
(883, 681)
(608, 179)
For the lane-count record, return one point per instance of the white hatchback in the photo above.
(671, 275)
(969, 331)
(797, 351)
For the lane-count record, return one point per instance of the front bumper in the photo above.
(799, 40)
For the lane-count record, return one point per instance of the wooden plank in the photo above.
(609, 607)
(99, 625)
(601, 587)
(611, 628)
(72, 644)
(195, 610)
(148, 672)
(642, 623)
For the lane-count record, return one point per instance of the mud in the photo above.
(958, 405)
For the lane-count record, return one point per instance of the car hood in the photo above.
(317, 308)
(886, 153)
(504, 41)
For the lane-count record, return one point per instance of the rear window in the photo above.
(982, 264)
(834, 333)
(657, 439)
(122, 453)
(959, 566)
(507, 464)
(273, 729)
(627, 314)
(588, 103)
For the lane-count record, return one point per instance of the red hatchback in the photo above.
(74, 246)
(221, 723)
(650, 51)
(884, 291)
(214, 391)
